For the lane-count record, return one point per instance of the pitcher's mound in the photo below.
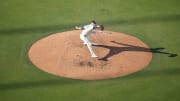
(64, 54)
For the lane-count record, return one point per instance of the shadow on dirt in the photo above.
(113, 50)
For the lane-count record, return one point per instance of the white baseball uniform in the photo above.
(84, 37)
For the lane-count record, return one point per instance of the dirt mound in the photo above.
(64, 54)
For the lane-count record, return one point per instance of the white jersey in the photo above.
(87, 29)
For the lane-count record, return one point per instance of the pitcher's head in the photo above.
(93, 22)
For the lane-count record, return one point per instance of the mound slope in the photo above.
(63, 54)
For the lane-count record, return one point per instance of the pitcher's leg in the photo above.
(89, 45)
(91, 50)
(83, 38)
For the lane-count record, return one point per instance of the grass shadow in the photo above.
(153, 73)
(60, 27)
(54, 28)
(36, 84)
(145, 20)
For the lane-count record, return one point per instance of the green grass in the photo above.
(24, 22)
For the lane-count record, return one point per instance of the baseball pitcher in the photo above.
(86, 31)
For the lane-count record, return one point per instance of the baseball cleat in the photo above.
(94, 56)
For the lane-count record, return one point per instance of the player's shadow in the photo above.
(114, 50)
